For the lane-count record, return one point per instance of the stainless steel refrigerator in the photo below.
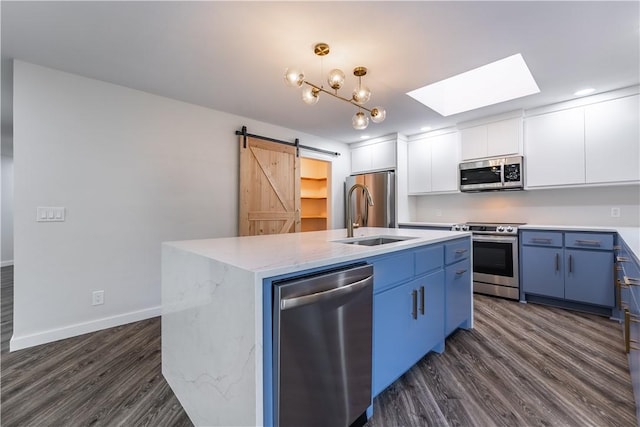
(382, 186)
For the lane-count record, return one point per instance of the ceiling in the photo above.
(231, 56)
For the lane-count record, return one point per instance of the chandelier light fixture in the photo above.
(294, 77)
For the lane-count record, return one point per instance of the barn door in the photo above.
(269, 188)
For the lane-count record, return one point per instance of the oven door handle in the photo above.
(507, 239)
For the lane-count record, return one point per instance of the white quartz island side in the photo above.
(212, 311)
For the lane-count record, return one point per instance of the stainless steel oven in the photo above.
(495, 258)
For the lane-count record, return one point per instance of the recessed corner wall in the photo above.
(132, 170)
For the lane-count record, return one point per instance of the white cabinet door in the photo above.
(444, 162)
(419, 166)
(612, 141)
(361, 159)
(473, 142)
(554, 149)
(383, 155)
(503, 137)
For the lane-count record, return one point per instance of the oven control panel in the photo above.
(487, 228)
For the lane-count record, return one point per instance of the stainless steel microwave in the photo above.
(503, 173)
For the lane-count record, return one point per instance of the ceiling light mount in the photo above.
(361, 94)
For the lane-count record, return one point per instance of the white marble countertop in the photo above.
(271, 255)
(429, 224)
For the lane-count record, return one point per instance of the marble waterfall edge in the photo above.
(211, 353)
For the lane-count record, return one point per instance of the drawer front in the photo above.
(391, 270)
(542, 238)
(457, 251)
(602, 241)
(428, 259)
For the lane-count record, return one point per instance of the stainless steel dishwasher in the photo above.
(322, 348)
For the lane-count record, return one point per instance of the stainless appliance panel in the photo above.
(381, 185)
(504, 173)
(322, 348)
(495, 265)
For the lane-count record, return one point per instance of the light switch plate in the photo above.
(50, 214)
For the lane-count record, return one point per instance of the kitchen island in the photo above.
(216, 336)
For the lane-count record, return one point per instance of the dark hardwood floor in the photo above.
(522, 365)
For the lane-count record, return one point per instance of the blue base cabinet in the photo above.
(541, 271)
(628, 300)
(570, 269)
(407, 324)
(458, 288)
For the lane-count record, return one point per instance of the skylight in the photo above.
(499, 81)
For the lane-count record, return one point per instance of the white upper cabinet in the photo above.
(372, 157)
(419, 166)
(432, 164)
(554, 149)
(473, 142)
(612, 141)
(361, 159)
(501, 138)
(504, 137)
(597, 143)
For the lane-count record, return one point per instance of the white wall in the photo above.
(567, 206)
(6, 214)
(132, 170)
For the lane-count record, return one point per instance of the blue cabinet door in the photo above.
(457, 296)
(429, 330)
(589, 277)
(405, 329)
(393, 326)
(542, 271)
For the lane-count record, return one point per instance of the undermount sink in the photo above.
(374, 240)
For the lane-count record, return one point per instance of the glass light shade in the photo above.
(293, 77)
(335, 79)
(378, 114)
(360, 121)
(310, 95)
(361, 94)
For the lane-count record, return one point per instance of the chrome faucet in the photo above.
(349, 213)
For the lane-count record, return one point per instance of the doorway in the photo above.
(315, 188)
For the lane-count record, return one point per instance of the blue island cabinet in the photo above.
(570, 269)
(420, 297)
(458, 291)
(410, 309)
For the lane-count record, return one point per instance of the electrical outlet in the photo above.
(615, 212)
(98, 298)
(438, 212)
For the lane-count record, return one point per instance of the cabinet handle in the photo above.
(541, 240)
(631, 281)
(617, 247)
(628, 318)
(422, 300)
(461, 251)
(570, 263)
(460, 272)
(588, 242)
(618, 286)
(414, 297)
(557, 262)
(622, 259)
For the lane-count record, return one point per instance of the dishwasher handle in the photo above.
(286, 304)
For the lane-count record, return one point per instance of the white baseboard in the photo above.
(20, 342)
(6, 263)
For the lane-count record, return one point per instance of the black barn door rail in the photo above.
(296, 144)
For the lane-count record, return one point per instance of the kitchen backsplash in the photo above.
(562, 206)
